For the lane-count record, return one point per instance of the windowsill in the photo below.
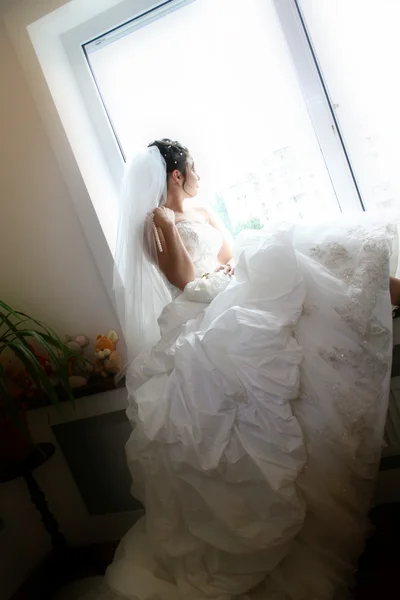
(96, 385)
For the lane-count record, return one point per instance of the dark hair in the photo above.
(174, 154)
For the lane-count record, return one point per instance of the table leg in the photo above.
(49, 521)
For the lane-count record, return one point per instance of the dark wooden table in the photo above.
(41, 454)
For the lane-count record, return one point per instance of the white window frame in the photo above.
(309, 77)
(131, 15)
(75, 121)
(319, 106)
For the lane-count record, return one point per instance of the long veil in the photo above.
(140, 290)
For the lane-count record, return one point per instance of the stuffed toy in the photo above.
(79, 368)
(18, 382)
(45, 362)
(108, 361)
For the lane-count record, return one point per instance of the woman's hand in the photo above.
(163, 217)
(228, 269)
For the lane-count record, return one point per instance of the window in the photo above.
(283, 103)
(358, 49)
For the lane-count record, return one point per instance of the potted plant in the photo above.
(22, 376)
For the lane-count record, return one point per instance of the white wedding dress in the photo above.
(258, 420)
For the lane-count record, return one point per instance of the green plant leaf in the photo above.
(6, 307)
(21, 316)
(56, 343)
(61, 367)
(34, 369)
(12, 329)
(45, 328)
(15, 335)
(17, 326)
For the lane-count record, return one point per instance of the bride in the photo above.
(258, 398)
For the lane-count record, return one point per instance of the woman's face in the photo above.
(191, 185)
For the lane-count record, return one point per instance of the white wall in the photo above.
(46, 268)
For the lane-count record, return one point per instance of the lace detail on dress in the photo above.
(356, 366)
(361, 361)
(203, 243)
(370, 274)
(333, 256)
(348, 433)
(368, 266)
(308, 308)
(364, 272)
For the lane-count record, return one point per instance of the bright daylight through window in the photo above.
(358, 46)
(218, 75)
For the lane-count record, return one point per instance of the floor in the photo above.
(377, 574)
(58, 572)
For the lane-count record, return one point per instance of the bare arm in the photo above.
(225, 254)
(174, 260)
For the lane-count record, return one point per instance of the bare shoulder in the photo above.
(204, 211)
(197, 211)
